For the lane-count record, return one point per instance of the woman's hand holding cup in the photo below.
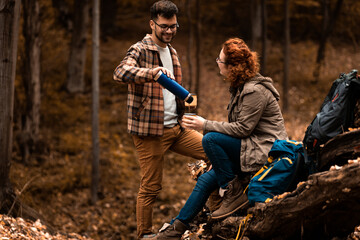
(193, 122)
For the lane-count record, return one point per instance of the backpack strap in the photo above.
(243, 225)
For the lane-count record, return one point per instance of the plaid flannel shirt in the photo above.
(145, 103)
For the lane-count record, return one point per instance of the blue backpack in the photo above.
(281, 172)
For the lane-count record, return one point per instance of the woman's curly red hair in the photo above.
(242, 63)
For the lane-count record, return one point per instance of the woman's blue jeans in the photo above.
(224, 153)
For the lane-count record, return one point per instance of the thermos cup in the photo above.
(173, 87)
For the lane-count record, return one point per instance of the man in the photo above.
(154, 112)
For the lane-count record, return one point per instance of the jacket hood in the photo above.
(268, 83)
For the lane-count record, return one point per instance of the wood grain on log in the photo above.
(339, 149)
(327, 204)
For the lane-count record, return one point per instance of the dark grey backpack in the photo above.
(336, 115)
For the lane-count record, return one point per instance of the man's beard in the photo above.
(162, 39)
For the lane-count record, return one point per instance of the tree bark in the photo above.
(327, 205)
(255, 24)
(339, 149)
(197, 52)
(95, 101)
(77, 58)
(263, 60)
(328, 26)
(286, 54)
(9, 28)
(189, 46)
(31, 78)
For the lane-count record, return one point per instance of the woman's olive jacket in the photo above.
(254, 116)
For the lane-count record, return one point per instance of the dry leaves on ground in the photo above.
(11, 228)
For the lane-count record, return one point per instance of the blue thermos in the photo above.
(173, 87)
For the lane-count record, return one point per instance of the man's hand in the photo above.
(166, 71)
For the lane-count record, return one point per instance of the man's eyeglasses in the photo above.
(219, 61)
(165, 27)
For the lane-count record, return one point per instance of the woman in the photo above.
(238, 148)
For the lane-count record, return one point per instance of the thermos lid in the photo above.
(158, 75)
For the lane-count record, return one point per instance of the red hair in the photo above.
(242, 63)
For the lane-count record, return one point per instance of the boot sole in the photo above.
(229, 213)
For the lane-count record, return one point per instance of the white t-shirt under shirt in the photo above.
(170, 115)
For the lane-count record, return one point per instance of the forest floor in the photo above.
(58, 178)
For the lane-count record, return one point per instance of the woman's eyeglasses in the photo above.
(219, 61)
(165, 27)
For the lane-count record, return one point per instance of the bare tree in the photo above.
(31, 78)
(255, 23)
(198, 50)
(263, 61)
(95, 100)
(77, 59)
(328, 26)
(190, 45)
(9, 28)
(286, 54)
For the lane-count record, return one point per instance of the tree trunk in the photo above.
(95, 100)
(286, 54)
(77, 58)
(31, 78)
(108, 16)
(255, 24)
(64, 16)
(328, 26)
(9, 28)
(189, 46)
(263, 60)
(197, 52)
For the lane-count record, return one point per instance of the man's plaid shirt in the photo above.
(145, 103)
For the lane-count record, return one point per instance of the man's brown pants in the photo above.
(151, 152)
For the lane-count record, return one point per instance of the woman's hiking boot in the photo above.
(234, 199)
(174, 231)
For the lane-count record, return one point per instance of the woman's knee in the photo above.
(209, 139)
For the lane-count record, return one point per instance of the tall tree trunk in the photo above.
(255, 24)
(328, 26)
(286, 54)
(189, 46)
(31, 77)
(197, 51)
(77, 59)
(95, 100)
(64, 16)
(9, 28)
(108, 16)
(263, 61)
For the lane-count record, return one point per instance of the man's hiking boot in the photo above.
(234, 199)
(174, 231)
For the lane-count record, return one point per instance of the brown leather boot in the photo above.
(234, 200)
(173, 232)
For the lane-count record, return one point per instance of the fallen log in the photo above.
(326, 205)
(339, 149)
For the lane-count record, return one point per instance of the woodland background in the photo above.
(303, 45)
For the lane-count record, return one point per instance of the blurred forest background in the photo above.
(303, 45)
